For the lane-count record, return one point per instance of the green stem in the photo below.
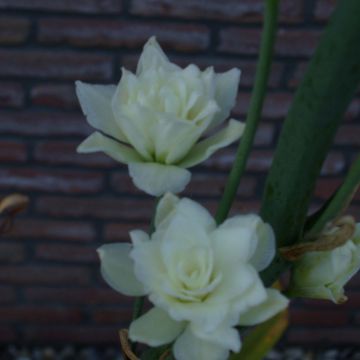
(255, 108)
(339, 200)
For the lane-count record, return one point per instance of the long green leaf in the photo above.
(330, 82)
(262, 338)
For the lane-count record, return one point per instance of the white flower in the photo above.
(323, 274)
(203, 280)
(154, 119)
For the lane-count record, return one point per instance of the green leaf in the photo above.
(330, 82)
(154, 353)
(262, 338)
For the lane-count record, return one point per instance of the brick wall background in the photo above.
(51, 290)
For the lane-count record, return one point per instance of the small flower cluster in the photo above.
(202, 279)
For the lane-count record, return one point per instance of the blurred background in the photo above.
(51, 291)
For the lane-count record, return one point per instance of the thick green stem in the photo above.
(255, 108)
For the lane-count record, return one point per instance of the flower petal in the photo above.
(265, 250)
(157, 179)
(155, 328)
(274, 303)
(165, 207)
(234, 242)
(95, 101)
(207, 147)
(153, 56)
(119, 152)
(117, 269)
(190, 347)
(225, 94)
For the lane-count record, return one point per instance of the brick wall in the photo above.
(51, 290)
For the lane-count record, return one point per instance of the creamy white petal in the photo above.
(266, 247)
(153, 56)
(274, 303)
(157, 179)
(155, 328)
(117, 269)
(207, 147)
(95, 101)
(225, 94)
(165, 208)
(138, 236)
(119, 152)
(190, 347)
(233, 243)
(135, 124)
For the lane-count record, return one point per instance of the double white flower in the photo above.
(153, 119)
(203, 280)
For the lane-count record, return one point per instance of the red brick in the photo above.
(66, 253)
(276, 105)
(54, 95)
(41, 123)
(289, 42)
(231, 10)
(348, 135)
(79, 6)
(324, 336)
(11, 253)
(45, 64)
(307, 317)
(13, 30)
(112, 316)
(7, 335)
(120, 231)
(30, 314)
(264, 135)
(52, 230)
(64, 153)
(220, 64)
(11, 94)
(64, 181)
(334, 164)
(44, 275)
(212, 185)
(326, 187)
(103, 207)
(324, 9)
(7, 294)
(115, 33)
(12, 151)
(84, 335)
(79, 296)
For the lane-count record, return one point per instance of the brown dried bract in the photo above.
(334, 235)
(9, 207)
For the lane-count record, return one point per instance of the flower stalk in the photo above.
(255, 108)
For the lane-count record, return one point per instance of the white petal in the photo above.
(153, 56)
(165, 207)
(225, 95)
(157, 179)
(265, 250)
(224, 335)
(207, 147)
(155, 328)
(190, 347)
(95, 101)
(135, 124)
(274, 303)
(117, 269)
(139, 236)
(119, 152)
(233, 242)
